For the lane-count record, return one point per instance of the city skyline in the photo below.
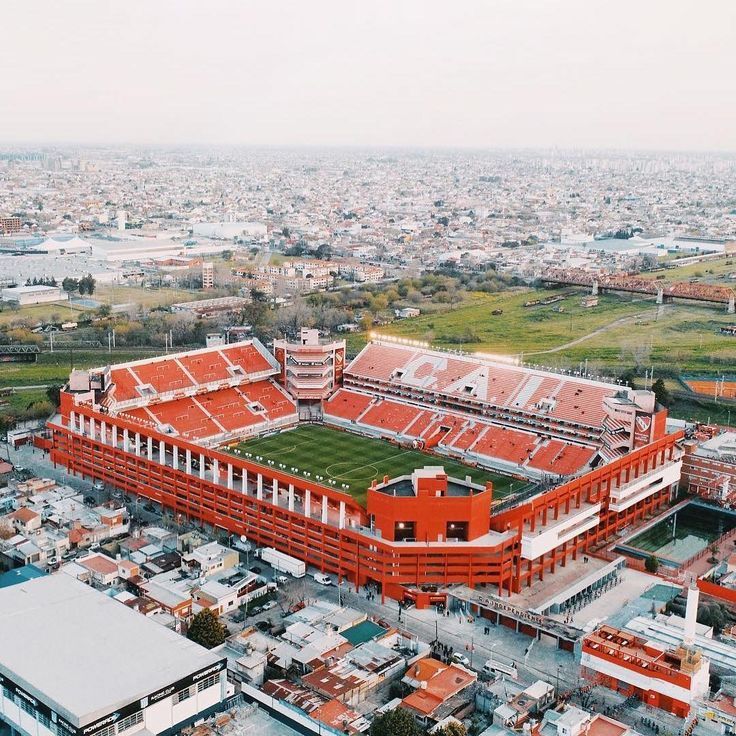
(492, 76)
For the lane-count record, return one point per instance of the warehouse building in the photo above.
(62, 672)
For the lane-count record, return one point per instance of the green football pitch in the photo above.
(354, 461)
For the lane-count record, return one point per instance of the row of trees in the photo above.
(85, 285)
(43, 281)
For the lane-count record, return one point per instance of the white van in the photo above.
(493, 668)
(322, 579)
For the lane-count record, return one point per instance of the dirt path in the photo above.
(599, 331)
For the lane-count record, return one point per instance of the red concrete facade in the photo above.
(276, 509)
(432, 513)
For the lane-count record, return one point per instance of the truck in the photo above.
(283, 563)
(322, 579)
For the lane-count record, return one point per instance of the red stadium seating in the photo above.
(228, 408)
(206, 367)
(346, 404)
(125, 384)
(390, 416)
(276, 403)
(561, 458)
(506, 444)
(417, 427)
(247, 356)
(163, 375)
(186, 417)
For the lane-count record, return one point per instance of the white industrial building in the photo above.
(230, 230)
(24, 295)
(74, 662)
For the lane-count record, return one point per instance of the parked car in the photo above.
(460, 658)
(281, 579)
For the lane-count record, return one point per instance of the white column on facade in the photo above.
(244, 481)
(291, 496)
(188, 461)
(126, 441)
(259, 487)
(175, 456)
(81, 423)
(342, 515)
(275, 493)
(215, 471)
(149, 448)
(201, 465)
(307, 502)
(324, 509)
(138, 444)
(230, 476)
(103, 432)
(92, 427)
(73, 420)
(114, 435)
(162, 452)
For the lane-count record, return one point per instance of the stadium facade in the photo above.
(592, 457)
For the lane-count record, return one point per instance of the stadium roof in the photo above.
(83, 653)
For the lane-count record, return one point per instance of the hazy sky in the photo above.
(492, 73)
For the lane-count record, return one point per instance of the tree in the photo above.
(323, 252)
(397, 722)
(54, 393)
(629, 377)
(69, 284)
(206, 629)
(651, 564)
(227, 255)
(87, 284)
(453, 728)
(661, 394)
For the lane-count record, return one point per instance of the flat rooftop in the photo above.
(84, 654)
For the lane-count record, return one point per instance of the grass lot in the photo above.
(698, 410)
(355, 461)
(679, 339)
(104, 294)
(676, 338)
(42, 313)
(55, 367)
(519, 329)
(714, 271)
(110, 294)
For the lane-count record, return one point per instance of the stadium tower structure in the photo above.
(160, 428)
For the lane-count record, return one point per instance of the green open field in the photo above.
(472, 327)
(104, 294)
(356, 461)
(113, 294)
(677, 339)
(619, 334)
(42, 313)
(711, 271)
(54, 368)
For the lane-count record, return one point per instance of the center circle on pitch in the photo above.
(351, 471)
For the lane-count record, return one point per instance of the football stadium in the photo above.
(408, 469)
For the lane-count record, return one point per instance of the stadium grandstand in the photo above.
(206, 435)
(508, 418)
